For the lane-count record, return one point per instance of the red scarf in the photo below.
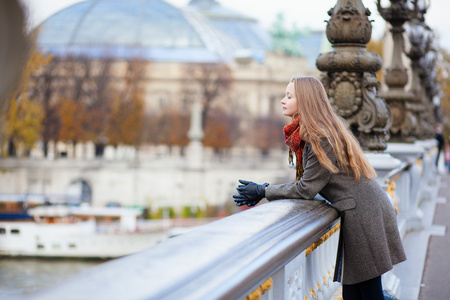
(296, 145)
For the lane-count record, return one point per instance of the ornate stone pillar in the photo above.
(428, 64)
(404, 122)
(349, 74)
(418, 35)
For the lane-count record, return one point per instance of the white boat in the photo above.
(76, 231)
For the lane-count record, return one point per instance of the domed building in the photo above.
(172, 43)
(151, 29)
(103, 51)
(252, 39)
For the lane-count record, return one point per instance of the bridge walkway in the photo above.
(435, 283)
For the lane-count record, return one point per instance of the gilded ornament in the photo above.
(322, 239)
(391, 191)
(267, 285)
(338, 294)
(259, 291)
(256, 294)
(325, 281)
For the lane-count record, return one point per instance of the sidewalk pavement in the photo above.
(425, 274)
(435, 282)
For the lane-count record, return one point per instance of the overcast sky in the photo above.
(305, 13)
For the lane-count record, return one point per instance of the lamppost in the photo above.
(420, 38)
(428, 64)
(349, 74)
(404, 121)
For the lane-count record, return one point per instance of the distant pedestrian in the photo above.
(331, 162)
(441, 142)
(447, 156)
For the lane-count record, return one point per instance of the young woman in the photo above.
(330, 162)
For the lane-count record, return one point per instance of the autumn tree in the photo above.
(98, 85)
(113, 134)
(126, 120)
(24, 115)
(89, 83)
(42, 90)
(76, 84)
(72, 115)
(377, 48)
(212, 81)
(444, 80)
(23, 124)
(221, 130)
(127, 111)
(167, 128)
(266, 133)
(88, 99)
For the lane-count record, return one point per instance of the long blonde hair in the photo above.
(319, 120)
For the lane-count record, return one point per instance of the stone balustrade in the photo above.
(283, 249)
(416, 182)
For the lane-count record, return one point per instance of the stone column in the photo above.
(349, 74)
(195, 135)
(400, 102)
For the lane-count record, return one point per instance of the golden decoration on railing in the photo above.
(391, 191)
(419, 164)
(325, 237)
(338, 294)
(319, 288)
(325, 281)
(260, 290)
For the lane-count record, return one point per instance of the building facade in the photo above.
(169, 44)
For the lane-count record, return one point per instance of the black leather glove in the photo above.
(250, 193)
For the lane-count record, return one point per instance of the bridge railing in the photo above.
(412, 182)
(284, 249)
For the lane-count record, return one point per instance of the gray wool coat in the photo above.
(370, 239)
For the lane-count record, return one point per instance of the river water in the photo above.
(24, 276)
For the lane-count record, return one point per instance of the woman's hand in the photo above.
(250, 193)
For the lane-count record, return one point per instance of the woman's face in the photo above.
(289, 102)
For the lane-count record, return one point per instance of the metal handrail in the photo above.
(403, 167)
(225, 259)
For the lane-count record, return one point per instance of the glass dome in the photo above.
(245, 30)
(150, 29)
